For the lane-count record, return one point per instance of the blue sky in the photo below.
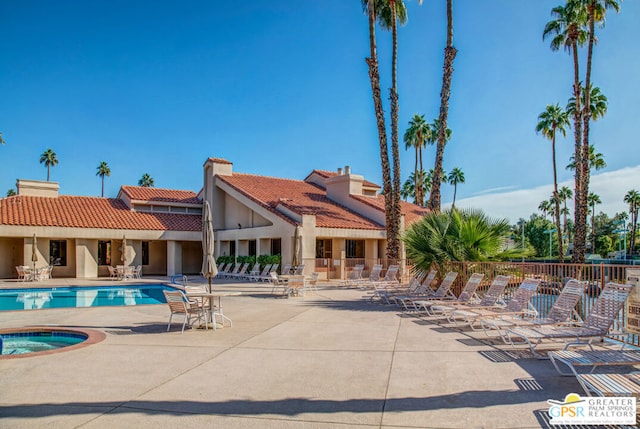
(280, 88)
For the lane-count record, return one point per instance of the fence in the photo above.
(554, 276)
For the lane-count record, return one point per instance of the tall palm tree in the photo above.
(593, 199)
(553, 120)
(392, 224)
(596, 11)
(455, 176)
(416, 136)
(49, 159)
(598, 103)
(409, 186)
(146, 181)
(565, 193)
(567, 30)
(103, 170)
(449, 55)
(633, 199)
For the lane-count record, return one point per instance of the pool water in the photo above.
(31, 342)
(74, 297)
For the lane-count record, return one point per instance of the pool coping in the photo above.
(93, 337)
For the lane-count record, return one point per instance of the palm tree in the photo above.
(11, 193)
(596, 11)
(565, 193)
(598, 103)
(104, 170)
(49, 159)
(567, 30)
(596, 160)
(455, 176)
(416, 136)
(449, 55)
(457, 235)
(545, 207)
(633, 199)
(1, 139)
(146, 181)
(593, 200)
(409, 187)
(392, 224)
(552, 120)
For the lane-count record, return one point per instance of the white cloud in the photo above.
(610, 186)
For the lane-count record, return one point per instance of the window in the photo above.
(276, 246)
(232, 248)
(323, 249)
(58, 253)
(355, 248)
(252, 247)
(145, 253)
(104, 252)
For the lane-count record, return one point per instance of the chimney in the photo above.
(37, 188)
(340, 171)
(347, 169)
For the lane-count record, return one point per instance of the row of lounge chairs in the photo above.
(518, 322)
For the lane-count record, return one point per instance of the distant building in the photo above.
(328, 221)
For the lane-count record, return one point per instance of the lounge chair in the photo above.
(298, 271)
(466, 296)
(491, 298)
(619, 385)
(593, 359)
(241, 273)
(518, 305)
(273, 269)
(253, 272)
(258, 276)
(224, 271)
(179, 304)
(354, 277)
(562, 311)
(233, 273)
(597, 324)
(286, 270)
(374, 276)
(442, 293)
(414, 287)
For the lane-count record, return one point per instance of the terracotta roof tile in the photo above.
(89, 212)
(159, 194)
(220, 161)
(300, 197)
(411, 212)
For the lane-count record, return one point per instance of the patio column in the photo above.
(86, 258)
(174, 257)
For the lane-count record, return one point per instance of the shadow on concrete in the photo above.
(283, 407)
(349, 305)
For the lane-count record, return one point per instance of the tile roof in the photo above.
(300, 197)
(411, 212)
(89, 212)
(328, 174)
(159, 194)
(219, 161)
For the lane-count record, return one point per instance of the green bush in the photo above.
(224, 259)
(264, 260)
(251, 260)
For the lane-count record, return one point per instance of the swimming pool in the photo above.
(76, 296)
(40, 341)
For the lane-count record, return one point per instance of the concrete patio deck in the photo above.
(327, 360)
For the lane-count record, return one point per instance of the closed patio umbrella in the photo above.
(296, 247)
(209, 269)
(34, 253)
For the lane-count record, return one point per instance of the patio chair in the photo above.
(296, 286)
(23, 272)
(113, 274)
(519, 304)
(276, 282)
(562, 311)
(466, 296)
(137, 272)
(442, 293)
(491, 298)
(298, 271)
(179, 304)
(311, 284)
(354, 277)
(43, 273)
(596, 325)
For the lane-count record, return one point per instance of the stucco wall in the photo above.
(10, 256)
(191, 257)
(157, 259)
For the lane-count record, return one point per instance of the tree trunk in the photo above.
(447, 73)
(374, 77)
(393, 241)
(556, 199)
(455, 191)
(48, 171)
(416, 194)
(102, 186)
(580, 227)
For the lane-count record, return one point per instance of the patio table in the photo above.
(210, 297)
